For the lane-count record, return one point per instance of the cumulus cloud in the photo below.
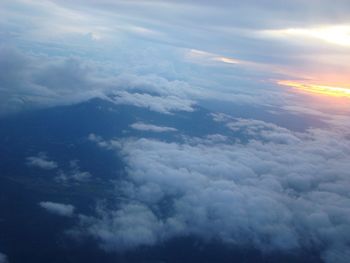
(41, 161)
(277, 193)
(140, 126)
(3, 258)
(58, 209)
(132, 225)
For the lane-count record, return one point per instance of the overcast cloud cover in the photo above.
(272, 188)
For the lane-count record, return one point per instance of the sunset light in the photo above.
(338, 34)
(318, 89)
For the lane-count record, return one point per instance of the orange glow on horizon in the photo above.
(327, 90)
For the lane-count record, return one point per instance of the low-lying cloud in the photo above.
(41, 161)
(281, 192)
(58, 209)
(140, 126)
(75, 174)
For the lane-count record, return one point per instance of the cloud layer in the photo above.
(280, 190)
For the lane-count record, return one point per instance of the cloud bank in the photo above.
(281, 192)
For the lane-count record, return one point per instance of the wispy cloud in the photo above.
(75, 174)
(58, 208)
(41, 161)
(150, 127)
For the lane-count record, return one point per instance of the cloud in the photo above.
(58, 209)
(132, 225)
(264, 131)
(74, 175)
(34, 81)
(251, 14)
(158, 40)
(279, 191)
(41, 161)
(162, 104)
(150, 127)
(3, 258)
(71, 66)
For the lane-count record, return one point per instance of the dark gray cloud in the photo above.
(282, 190)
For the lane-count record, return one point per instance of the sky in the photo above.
(290, 57)
(252, 51)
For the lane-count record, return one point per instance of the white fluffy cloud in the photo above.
(150, 127)
(3, 258)
(58, 209)
(41, 161)
(283, 191)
